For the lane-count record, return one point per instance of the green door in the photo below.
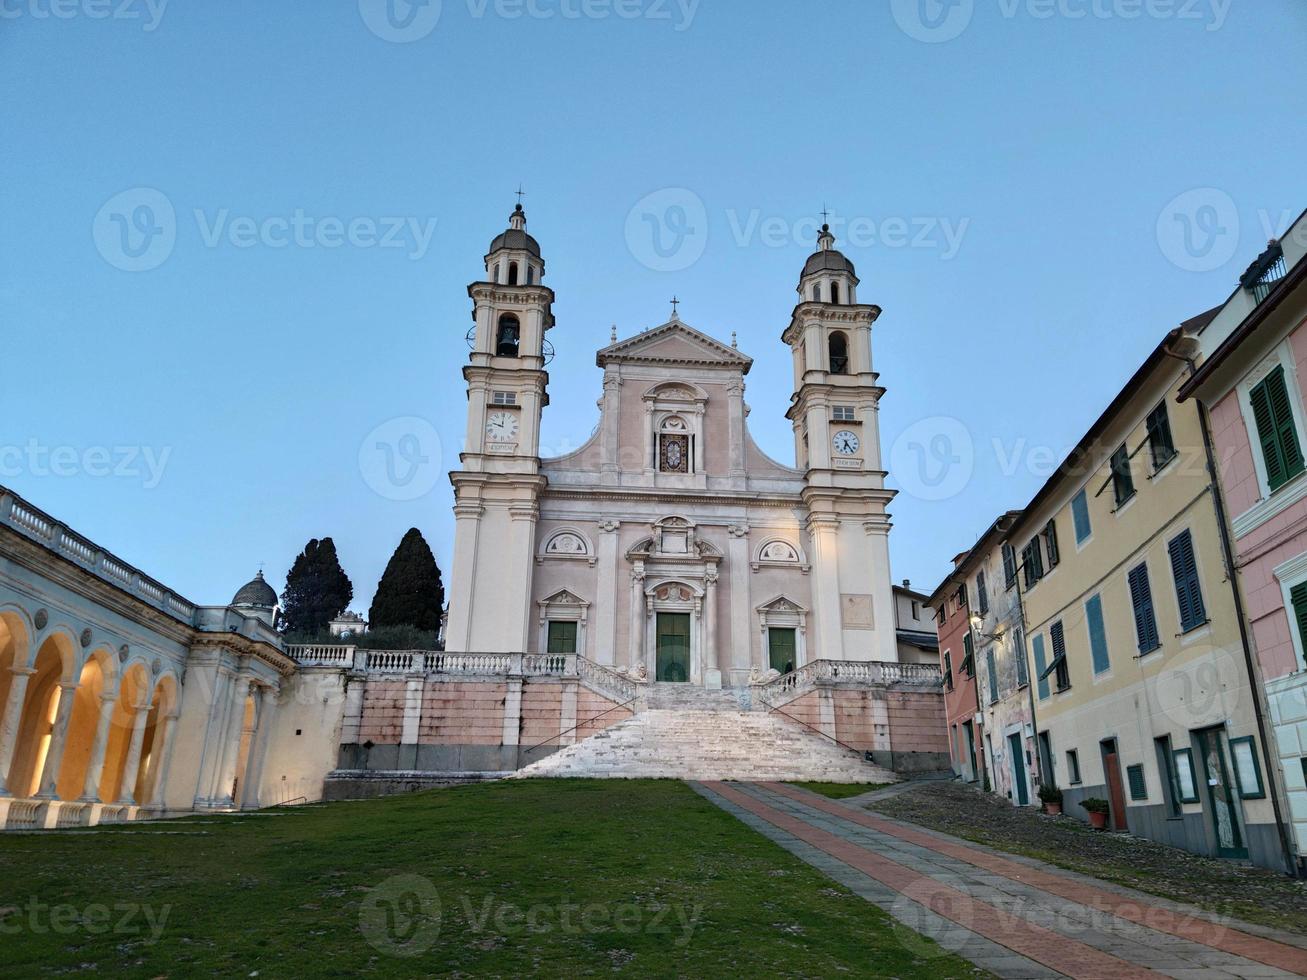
(1021, 796)
(673, 644)
(781, 649)
(1225, 818)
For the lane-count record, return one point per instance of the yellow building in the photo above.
(1133, 626)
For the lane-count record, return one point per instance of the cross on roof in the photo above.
(675, 303)
(520, 192)
(825, 215)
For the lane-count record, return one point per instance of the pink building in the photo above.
(1251, 384)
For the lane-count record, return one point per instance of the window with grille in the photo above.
(504, 398)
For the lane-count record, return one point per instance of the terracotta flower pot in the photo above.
(1053, 809)
(1097, 820)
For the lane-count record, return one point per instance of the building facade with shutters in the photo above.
(1139, 672)
(1250, 384)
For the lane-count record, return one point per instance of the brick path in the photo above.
(1013, 918)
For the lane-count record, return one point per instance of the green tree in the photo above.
(410, 592)
(317, 589)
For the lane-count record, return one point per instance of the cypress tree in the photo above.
(317, 589)
(410, 592)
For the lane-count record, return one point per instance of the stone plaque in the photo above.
(856, 612)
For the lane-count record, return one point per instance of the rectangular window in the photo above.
(1097, 635)
(1141, 597)
(941, 613)
(1032, 556)
(843, 413)
(1188, 592)
(1058, 638)
(1073, 766)
(1123, 481)
(962, 596)
(1041, 667)
(1050, 545)
(562, 636)
(1080, 517)
(1247, 772)
(982, 595)
(1138, 785)
(1160, 442)
(505, 398)
(1166, 766)
(1298, 599)
(948, 671)
(993, 675)
(1276, 431)
(1186, 783)
(1019, 652)
(1009, 565)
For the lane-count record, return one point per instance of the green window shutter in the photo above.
(1138, 786)
(1260, 400)
(1050, 541)
(1040, 666)
(1187, 589)
(982, 594)
(993, 676)
(1141, 597)
(1080, 516)
(1097, 634)
(1285, 430)
(1298, 596)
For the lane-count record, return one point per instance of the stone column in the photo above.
(231, 741)
(10, 720)
(605, 629)
(127, 791)
(259, 740)
(91, 789)
(636, 616)
(737, 566)
(58, 736)
(712, 678)
(158, 792)
(610, 463)
(215, 726)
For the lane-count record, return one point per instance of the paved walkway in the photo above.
(1013, 917)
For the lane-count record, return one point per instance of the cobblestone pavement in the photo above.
(1229, 888)
(1012, 916)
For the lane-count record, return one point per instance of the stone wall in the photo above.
(902, 729)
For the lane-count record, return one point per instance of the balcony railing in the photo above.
(433, 661)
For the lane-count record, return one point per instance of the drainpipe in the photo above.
(1227, 552)
(975, 686)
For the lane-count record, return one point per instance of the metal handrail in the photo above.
(579, 724)
(845, 745)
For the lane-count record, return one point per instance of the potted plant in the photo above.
(1097, 810)
(1051, 797)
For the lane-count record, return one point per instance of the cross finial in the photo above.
(520, 193)
(734, 343)
(675, 303)
(825, 214)
(612, 336)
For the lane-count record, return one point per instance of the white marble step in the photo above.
(707, 743)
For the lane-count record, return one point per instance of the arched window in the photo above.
(499, 273)
(835, 292)
(816, 292)
(530, 274)
(512, 273)
(839, 353)
(510, 334)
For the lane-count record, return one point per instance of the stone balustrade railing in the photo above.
(38, 526)
(432, 661)
(873, 672)
(607, 681)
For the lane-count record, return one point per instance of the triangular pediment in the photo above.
(674, 343)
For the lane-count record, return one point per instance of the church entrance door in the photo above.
(781, 649)
(673, 645)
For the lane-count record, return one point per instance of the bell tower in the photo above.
(499, 483)
(835, 415)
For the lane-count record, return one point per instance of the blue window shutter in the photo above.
(1097, 634)
(1141, 597)
(1040, 666)
(1188, 593)
(1080, 516)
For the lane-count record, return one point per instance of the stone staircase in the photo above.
(690, 733)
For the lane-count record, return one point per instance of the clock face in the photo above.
(845, 443)
(501, 427)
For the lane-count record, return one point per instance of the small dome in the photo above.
(516, 237)
(255, 593)
(827, 260)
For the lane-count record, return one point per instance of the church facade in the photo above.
(670, 547)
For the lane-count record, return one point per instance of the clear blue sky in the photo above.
(253, 372)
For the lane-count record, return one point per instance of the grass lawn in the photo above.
(552, 877)
(840, 791)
